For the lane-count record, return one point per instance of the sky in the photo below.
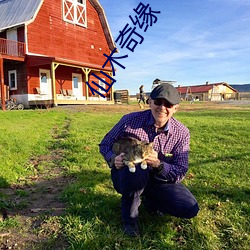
(192, 42)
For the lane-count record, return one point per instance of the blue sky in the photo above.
(193, 41)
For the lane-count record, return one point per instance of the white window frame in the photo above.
(15, 83)
(78, 16)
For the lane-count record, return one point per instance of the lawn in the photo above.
(218, 176)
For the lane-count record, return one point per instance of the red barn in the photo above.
(49, 50)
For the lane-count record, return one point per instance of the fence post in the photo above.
(2, 84)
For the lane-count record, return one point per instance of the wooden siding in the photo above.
(34, 78)
(49, 35)
(21, 77)
(3, 34)
(63, 76)
(20, 34)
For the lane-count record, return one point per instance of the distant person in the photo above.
(142, 95)
(159, 185)
(156, 83)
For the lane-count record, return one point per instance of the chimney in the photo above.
(207, 82)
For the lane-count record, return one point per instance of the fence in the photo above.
(12, 48)
(121, 96)
(217, 96)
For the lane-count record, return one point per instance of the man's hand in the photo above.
(119, 161)
(153, 160)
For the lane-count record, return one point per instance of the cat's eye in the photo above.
(159, 102)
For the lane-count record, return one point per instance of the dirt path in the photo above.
(34, 203)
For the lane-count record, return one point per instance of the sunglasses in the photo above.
(159, 102)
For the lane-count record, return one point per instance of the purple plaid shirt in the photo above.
(172, 145)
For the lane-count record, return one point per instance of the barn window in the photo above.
(74, 11)
(12, 80)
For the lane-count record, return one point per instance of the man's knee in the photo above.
(192, 211)
(189, 212)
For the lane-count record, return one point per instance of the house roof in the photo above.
(18, 12)
(201, 88)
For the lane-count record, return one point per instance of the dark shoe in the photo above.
(131, 230)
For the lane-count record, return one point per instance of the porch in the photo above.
(10, 48)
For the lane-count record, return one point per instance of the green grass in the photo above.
(218, 176)
(24, 135)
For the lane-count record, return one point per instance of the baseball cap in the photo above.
(166, 91)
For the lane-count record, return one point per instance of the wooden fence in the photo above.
(121, 96)
(12, 48)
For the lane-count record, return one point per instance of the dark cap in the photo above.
(166, 91)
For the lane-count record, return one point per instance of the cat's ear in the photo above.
(151, 144)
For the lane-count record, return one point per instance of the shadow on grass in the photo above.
(3, 182)
(94, 219)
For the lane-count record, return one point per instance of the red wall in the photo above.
(49, 35)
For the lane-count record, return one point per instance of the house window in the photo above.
(12, 80)
(75, 82)
(74, 11)
(43, 77)
(102, 84)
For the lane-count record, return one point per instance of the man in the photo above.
(160, 184)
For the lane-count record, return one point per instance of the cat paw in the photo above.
(144, 166)
(132, 170)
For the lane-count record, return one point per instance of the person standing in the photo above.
(142, 94)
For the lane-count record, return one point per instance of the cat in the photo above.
(135, 151)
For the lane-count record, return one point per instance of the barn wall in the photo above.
(51, 36)
(63, 77)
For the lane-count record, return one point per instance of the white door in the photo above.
(45, 83)
(77, 85)
(12, 48)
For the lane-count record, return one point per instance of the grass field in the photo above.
(40, 147)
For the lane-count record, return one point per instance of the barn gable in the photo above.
(19, 12)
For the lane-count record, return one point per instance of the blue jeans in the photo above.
(168, 198)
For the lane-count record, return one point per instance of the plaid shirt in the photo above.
(172, 145)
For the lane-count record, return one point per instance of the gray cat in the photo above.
(135, 151)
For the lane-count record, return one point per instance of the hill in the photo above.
(241, 87)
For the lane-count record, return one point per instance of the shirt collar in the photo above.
(151, 122)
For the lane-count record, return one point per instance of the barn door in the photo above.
(45, 83)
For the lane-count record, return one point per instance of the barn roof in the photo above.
(201, 88)
(18, 12)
